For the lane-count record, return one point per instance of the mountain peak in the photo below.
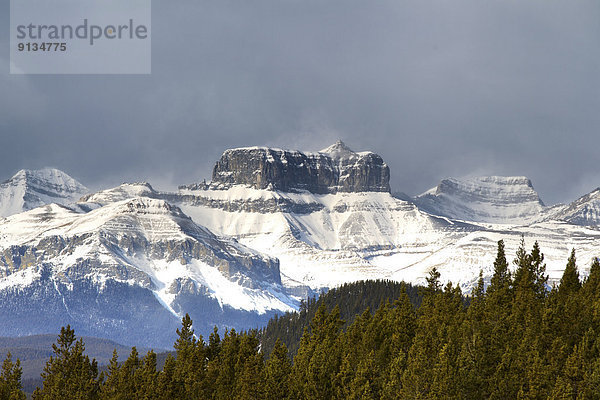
(334, 169)
(583, 211)
(338, 150)
(29, 189)
(493, 199)
(123, 192)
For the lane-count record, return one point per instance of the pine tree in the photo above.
(127, 386)
(225, 365)
(364, 385)
(501, 277)
(189, 374)
(109, 388)
(433, 280)
(538, 271)
(277, 373)
(69, 374)
(591, 285)
(146, 378)
(569, 283)
(168, 387)
(318, 360)
(475, 363)
(10, 380)
(571, 325)
(439, 322)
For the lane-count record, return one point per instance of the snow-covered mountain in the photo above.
(583, 211)
(491, 199)
(332, 170)
(29, 189)
(271, 227)
(129, 271)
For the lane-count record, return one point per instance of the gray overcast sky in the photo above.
(438, 88)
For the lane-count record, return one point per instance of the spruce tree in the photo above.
(569, 283)
(501, 276)
(69, 374)
(277, 373)
(110, 380)
(10, 380)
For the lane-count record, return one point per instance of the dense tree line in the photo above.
(352, 299)
(514, 339)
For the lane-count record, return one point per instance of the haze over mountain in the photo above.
(272, 227)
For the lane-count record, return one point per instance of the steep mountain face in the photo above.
(128, 271)
(583, 211)
(489, 199)
(323, 240)
(335, 169)
(29, 189)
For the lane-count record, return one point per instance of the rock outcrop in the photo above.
(334, 169)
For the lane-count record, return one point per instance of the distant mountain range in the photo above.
(272, 227)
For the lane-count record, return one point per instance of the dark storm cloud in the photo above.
(438, 88)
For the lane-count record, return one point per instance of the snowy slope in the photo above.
(583, 211)
(122, 192)
(29, 189)
(128, 246)
(323, 240)
(350, 236)
(489, 199)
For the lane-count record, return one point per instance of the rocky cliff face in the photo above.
(334, 169)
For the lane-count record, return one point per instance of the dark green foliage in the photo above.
(569, 283)
(352, 299)
(433, 280)
(69, 374)
(10, 380)
(277, 373)
(514, 341)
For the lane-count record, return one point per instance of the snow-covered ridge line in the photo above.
(29, 189)
(490, 199)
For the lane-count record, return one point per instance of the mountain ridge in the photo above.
(28, 189)
(233, 253)
(491, 199)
